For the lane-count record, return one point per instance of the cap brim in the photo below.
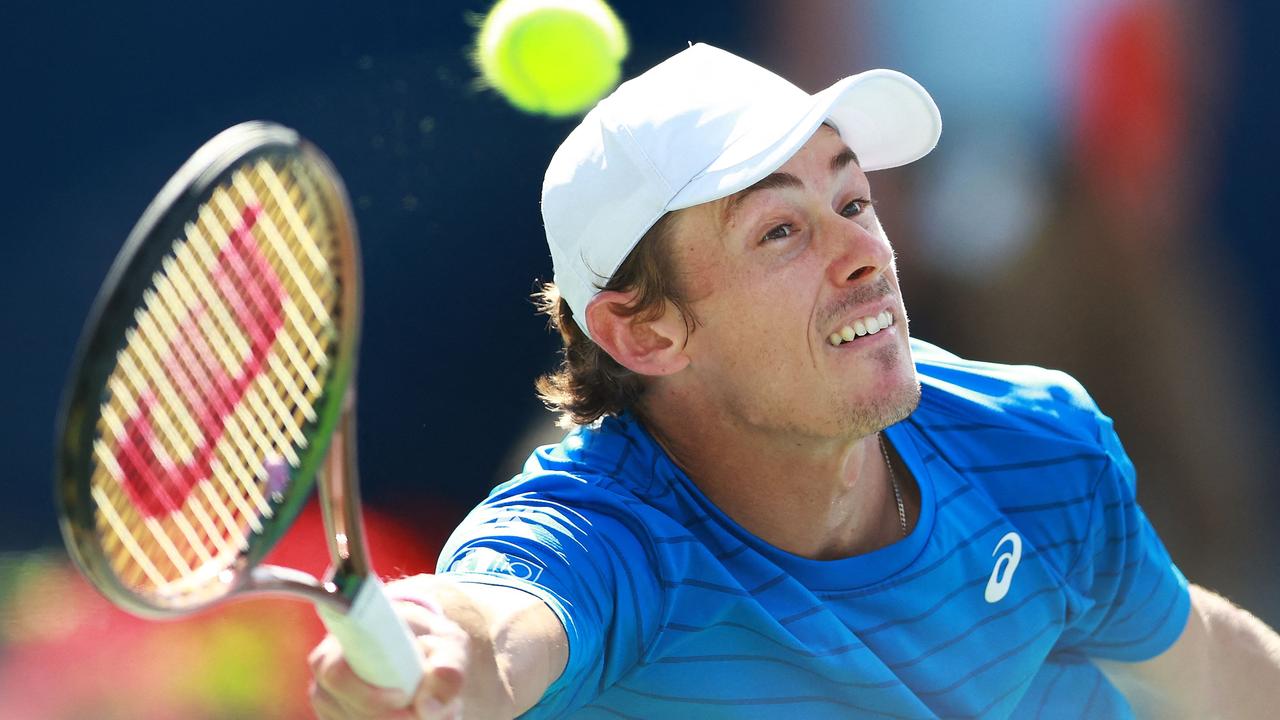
(885, 117)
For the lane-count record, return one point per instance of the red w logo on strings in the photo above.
(250, 288)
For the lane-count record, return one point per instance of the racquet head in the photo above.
(210, 376)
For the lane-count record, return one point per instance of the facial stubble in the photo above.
(864, 418)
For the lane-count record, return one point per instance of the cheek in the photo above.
(765, 320)
(755, 309)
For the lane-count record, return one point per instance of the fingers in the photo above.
(429, 708)
(337, 692)
(444, 647)
(329, 706)
(445, 667)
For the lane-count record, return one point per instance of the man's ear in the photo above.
(644, 346)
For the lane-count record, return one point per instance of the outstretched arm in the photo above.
(1226, 664)
(487, 652)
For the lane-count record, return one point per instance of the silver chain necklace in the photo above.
(893, 479)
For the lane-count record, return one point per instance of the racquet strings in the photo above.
(210, 400)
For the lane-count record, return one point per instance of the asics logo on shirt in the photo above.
(1002, 574)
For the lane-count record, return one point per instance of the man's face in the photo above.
(773, 273)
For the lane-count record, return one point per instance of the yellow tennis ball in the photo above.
(555, 57)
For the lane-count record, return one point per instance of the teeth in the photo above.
(860, 327)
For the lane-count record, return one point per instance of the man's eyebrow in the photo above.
(782, 180)
(769, 182)
(844, 157)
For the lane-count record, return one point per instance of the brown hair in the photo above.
(589, 383)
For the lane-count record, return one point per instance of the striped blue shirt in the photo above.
(1030, 556)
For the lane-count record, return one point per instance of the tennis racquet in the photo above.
(214, 386)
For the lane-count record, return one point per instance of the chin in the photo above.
(893, 406)
(895, 398)
(901, 404)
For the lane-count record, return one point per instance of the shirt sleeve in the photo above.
(586, 562)
(1132, 601)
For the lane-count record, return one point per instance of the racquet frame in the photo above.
(329, 461)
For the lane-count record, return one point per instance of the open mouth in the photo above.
(862, 327)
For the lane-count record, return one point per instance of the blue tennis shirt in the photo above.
(1030, 557)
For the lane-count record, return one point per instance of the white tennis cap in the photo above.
(702, 125)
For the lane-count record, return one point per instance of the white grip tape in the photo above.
(376, 641)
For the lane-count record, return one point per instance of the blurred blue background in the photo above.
(1102, 201)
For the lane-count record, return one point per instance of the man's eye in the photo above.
(778, 233)
(856, 208)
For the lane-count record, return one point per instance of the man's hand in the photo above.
(337, 694)
(487, 652)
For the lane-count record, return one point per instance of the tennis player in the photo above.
(774, 503)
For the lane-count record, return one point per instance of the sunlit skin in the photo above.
(773, 423)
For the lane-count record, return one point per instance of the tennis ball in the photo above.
(555, 57)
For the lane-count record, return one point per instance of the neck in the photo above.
(820, 498)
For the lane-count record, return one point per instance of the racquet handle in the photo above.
(376, 641)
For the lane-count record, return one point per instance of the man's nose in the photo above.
(859, 255)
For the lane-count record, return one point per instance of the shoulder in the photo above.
(572, 530)
(1027, 437)
(611, 462)
(569, 514)
(1033, 447)
(1015, 397)
(598, 476)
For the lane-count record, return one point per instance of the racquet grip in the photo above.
(376, 641)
